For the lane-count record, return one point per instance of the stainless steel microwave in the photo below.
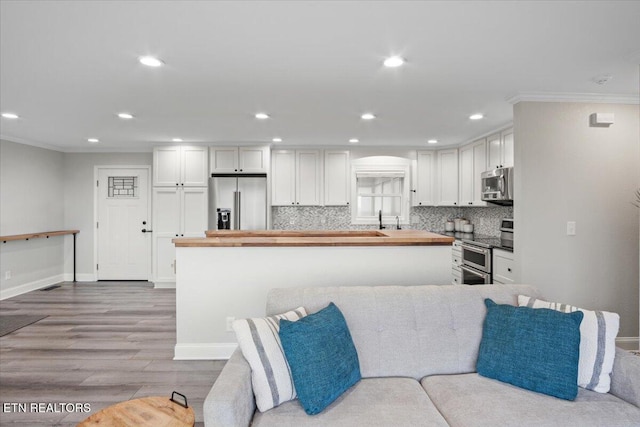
(497, 186)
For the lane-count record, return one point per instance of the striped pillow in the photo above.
(598, 332)
(260, 345)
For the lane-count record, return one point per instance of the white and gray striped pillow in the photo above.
(598, 332)
(260, 345)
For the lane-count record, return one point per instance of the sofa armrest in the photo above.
(230, 402)
(625, 377)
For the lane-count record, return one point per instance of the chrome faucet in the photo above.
(398, 223)
(382, 227)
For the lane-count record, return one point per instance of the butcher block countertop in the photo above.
(241, 238)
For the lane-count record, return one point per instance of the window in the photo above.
(123, 187)
(380, 185)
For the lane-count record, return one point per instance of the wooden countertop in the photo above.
(240, 238)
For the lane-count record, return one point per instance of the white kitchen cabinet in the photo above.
(177, 212)
(180, 166)
(473, 161)
(337, 176)
(500, 149)
(295, 177)
(447, 178)
(239, 159)
(503, 267)
(425, 183)
(456, 259)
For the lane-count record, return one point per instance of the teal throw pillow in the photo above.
(323, 360)
(536, 349)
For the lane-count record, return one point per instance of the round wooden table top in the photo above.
(143, 412)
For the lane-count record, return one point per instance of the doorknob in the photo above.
(144, 230)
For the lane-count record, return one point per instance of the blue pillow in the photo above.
(536, 349)
(323, 360)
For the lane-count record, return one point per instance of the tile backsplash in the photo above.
(486, 220)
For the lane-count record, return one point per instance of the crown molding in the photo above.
(596, 98)
(32, 143)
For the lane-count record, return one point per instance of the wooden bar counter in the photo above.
(228, 274)
(230, 238)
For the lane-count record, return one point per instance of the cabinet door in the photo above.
(308, 177)
(166, 166)
(253, 159)
(494, 147)
(166, 226)
(283, 177)
(447, 178)
(425, 186)
(336, 178)
(194, 170)
(466, 176)
(507, 148)
(503, 267)
(193, 215)
(224, 160)
(479, 166)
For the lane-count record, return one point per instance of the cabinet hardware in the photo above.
(177, 235)
(509, 270)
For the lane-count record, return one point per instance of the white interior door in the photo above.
(124, 250)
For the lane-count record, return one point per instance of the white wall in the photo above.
(566, 170)
(79, 184)
(31, 200)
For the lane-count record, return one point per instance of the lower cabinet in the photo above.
(456, 261)
(503, 267)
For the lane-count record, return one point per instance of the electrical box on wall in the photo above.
(601, 119)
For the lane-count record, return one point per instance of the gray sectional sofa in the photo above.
(417, 348)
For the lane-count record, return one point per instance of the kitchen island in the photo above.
(227, 274)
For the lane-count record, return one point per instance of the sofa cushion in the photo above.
(536, 349)
(472, 400)
(260, 344)
(407, 331)
(372, 402)
(324, 363)
(598, 332)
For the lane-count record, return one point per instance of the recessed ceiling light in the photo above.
(125, 116)
(93, 140)
(262, 116)
(354, 140)
(151, 61)
(277, 139)
(367, 116)
(9, 115)
(177, 139)
(476, 116)
(393, 61)
(432, 141)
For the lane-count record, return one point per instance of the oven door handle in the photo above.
(475, 249)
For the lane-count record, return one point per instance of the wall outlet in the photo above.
(7, 275)
(571, 228)
(230, 323)
(292, 222)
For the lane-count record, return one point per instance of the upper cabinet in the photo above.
(336, 178)
(425, 192)
(295, 177)
(180, 166)
(473, 161)
(239, 159)
(500, 149)
(447, 178)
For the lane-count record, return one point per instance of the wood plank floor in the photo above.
(103, 342)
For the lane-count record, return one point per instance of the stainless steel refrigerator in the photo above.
(238, 202)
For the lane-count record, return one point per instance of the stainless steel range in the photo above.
(477, 254)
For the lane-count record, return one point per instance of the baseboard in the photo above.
(68, 277)
(220, 351)
(31, 286)
(164, 285)
(628, 343)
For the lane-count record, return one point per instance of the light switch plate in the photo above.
(571, 228)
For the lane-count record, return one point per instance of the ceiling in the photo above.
(68, 67)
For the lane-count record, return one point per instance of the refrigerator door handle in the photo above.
(235, 210)
(239, 210)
